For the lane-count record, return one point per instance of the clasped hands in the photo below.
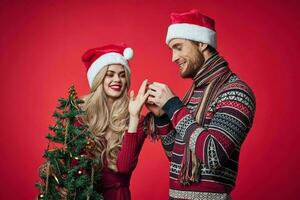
(154, 95)
(159, 94)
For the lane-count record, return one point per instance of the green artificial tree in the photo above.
(69, 161)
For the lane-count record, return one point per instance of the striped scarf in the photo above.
(212, 76)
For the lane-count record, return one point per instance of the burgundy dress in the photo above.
(115, 185)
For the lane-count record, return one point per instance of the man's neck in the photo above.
(207, 55)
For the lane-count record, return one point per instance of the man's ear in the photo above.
(202, 46)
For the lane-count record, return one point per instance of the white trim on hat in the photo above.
(106, 59)
(192, 32)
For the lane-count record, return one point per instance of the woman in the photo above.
(114, 117)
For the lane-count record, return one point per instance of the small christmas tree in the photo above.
(69, 163)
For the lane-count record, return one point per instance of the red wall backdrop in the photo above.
(41, 43)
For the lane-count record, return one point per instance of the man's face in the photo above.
(187, 56)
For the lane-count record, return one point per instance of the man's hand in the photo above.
(157, 111)
(159, 94)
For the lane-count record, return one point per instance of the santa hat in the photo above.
(97, 58)
(192, 25)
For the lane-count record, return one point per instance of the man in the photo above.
(202, 134)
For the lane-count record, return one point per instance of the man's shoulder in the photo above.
(235, 84)
(235, 90)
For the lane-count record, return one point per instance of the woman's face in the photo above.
(114, 82)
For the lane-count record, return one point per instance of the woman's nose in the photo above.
(116, 78)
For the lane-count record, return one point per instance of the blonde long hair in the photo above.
(99, 118)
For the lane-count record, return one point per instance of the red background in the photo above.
(41, 44)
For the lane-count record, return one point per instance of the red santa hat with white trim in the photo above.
(97, 58)
(194, 26)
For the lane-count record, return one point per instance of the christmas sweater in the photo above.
(216, 144)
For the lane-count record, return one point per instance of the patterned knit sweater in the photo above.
(217, 144)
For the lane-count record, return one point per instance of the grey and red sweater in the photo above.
(216, 144)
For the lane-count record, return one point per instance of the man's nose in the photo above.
(174, 57)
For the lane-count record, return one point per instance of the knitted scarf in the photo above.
(211, 76)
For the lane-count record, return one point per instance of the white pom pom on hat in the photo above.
(128, 53)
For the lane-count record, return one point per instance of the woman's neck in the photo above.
(110, 102)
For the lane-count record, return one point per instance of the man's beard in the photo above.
(194, 65)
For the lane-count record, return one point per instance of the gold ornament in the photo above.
(90, 144)
(43, 170)
(55, 177)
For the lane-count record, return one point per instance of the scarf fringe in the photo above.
(149, 127)
(189, 174)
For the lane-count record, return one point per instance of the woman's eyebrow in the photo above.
(115, 71)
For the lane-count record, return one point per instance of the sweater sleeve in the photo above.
(221, 139)
(166, 131)
(131, 147)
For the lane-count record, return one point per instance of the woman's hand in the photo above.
(136, 103)
(156, 110)
(135, 106)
